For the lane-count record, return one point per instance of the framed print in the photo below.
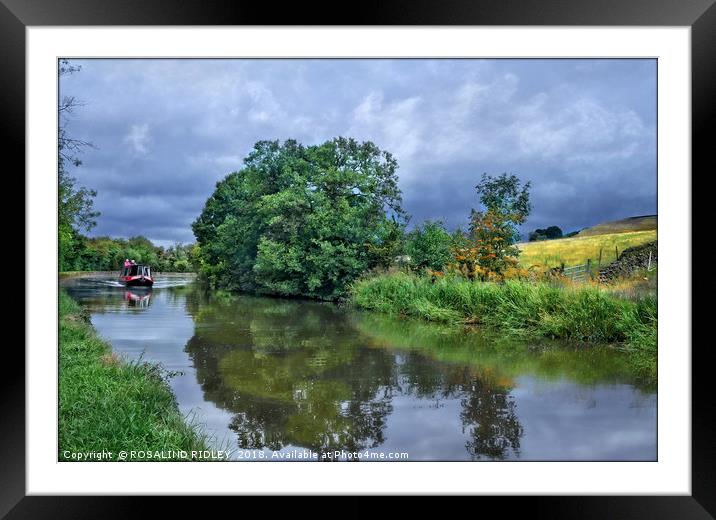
(426, 241)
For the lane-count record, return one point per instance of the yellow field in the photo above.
(576, 250)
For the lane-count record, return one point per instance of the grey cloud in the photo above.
(583, 131)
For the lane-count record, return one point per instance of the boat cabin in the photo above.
(139, 275)
(137, 270)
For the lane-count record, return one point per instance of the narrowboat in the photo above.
(136, 275)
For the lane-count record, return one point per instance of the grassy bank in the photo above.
(76, 274)
(534, 309)
(577, 250)
(108, 404)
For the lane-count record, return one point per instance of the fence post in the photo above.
(616, 253)
(648, 267)
(600, 258)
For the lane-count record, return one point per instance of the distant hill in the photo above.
(625, 225)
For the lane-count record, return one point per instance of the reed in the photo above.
(537, 309)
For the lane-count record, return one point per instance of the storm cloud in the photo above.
(165, 131)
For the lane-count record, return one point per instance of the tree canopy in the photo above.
(494, 228)
(108, 254)
(549, 233)
(430, 246)
(301, 220)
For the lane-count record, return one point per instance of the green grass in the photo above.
(106, 403)
(578, 249)
(528, 309)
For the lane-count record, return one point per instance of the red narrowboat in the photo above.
(136, 275)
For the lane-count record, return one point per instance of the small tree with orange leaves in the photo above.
(489, 249)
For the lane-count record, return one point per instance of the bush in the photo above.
(429, 246)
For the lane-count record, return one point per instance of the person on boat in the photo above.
(132, 262)
(126, 262)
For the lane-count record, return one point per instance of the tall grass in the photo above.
(583, 313)
(108, 404)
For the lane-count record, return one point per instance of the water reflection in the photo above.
(138, 298)
(272, 374)
(291, 379)
(320, 377)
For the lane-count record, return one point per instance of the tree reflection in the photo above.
(489, 415)
(300, 374)
(291, 378)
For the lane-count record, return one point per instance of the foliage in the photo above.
(429, 246)
(108, 254)
(490, 250)
(389, 246)
(301, 220)
(108, 404)
(549, 233)
(504, 196)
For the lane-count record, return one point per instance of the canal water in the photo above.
(275, 379)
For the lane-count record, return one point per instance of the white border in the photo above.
(670, 475)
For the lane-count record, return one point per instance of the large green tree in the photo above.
(301, 220)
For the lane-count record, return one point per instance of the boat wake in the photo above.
(107, 282)
(164, 284)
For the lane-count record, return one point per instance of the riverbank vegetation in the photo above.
(524, 308)
(106, 403)
(81, 253)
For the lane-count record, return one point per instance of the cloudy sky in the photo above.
(165, 131)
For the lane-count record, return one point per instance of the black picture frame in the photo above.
(700, 15)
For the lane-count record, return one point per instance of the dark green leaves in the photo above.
(301, 220)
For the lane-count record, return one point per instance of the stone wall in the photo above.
(630, 260)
